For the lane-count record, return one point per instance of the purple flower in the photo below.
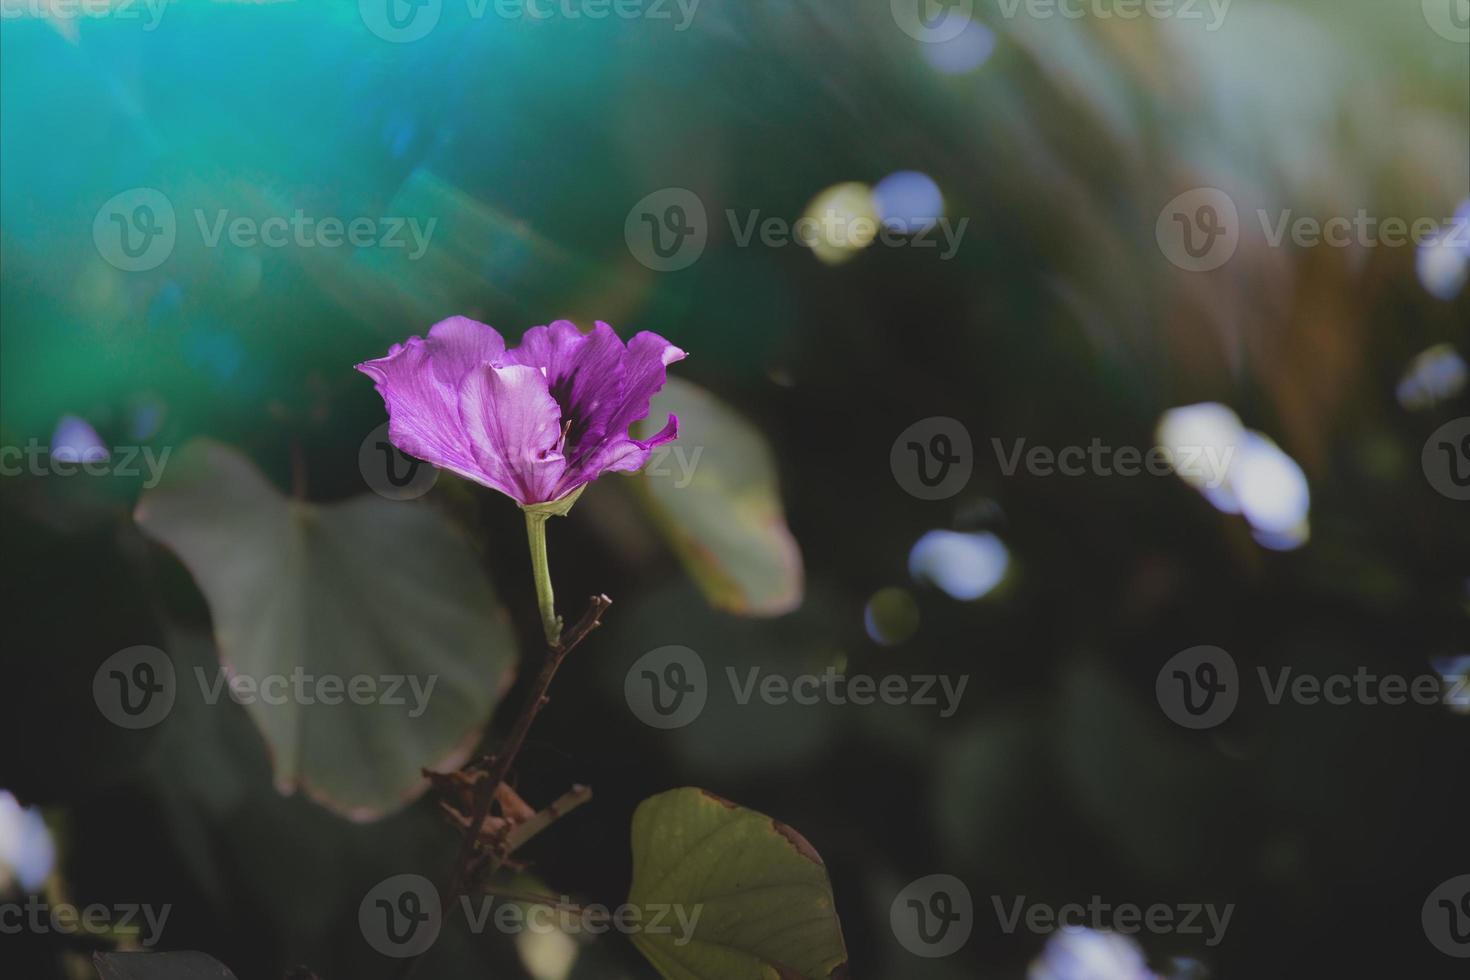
(534, 422)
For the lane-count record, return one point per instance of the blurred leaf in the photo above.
(160, 966)
(364, 588)
(764, 902)
(713, 492)
(1162, 798)
(730, 737)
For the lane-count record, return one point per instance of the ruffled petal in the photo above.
(645, 369)
(583, 371)
(617, 455)
(423, 411)
(458, 345)
(513, 425)
(534, 422)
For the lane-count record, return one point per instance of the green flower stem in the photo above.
(536, 515)
(541, 572)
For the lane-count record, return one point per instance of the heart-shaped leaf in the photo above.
(740, 896)
(713, 492)
(362, 636)
(160, 966)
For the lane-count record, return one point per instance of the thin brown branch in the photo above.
(544, 818)
(485, 788)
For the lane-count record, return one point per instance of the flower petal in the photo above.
(514, 426)
(458, 345)
(583, 371)
(644, 373)
(420, 380)
(423, 411)
(620, 455)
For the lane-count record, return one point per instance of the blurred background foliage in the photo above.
(1058, 320)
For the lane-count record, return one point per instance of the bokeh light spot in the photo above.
(27, 852)
(1444, 260)
(1205, 431)
(75, 441)
(1239, 471)
(891, 616)
(964, 566)
(547, 954)
(839, 222)
(963, 53)
(1271, 487)
(1436, 375)
(1077, 953)
(908, 201)
(1454, 671)
(1443, 266)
